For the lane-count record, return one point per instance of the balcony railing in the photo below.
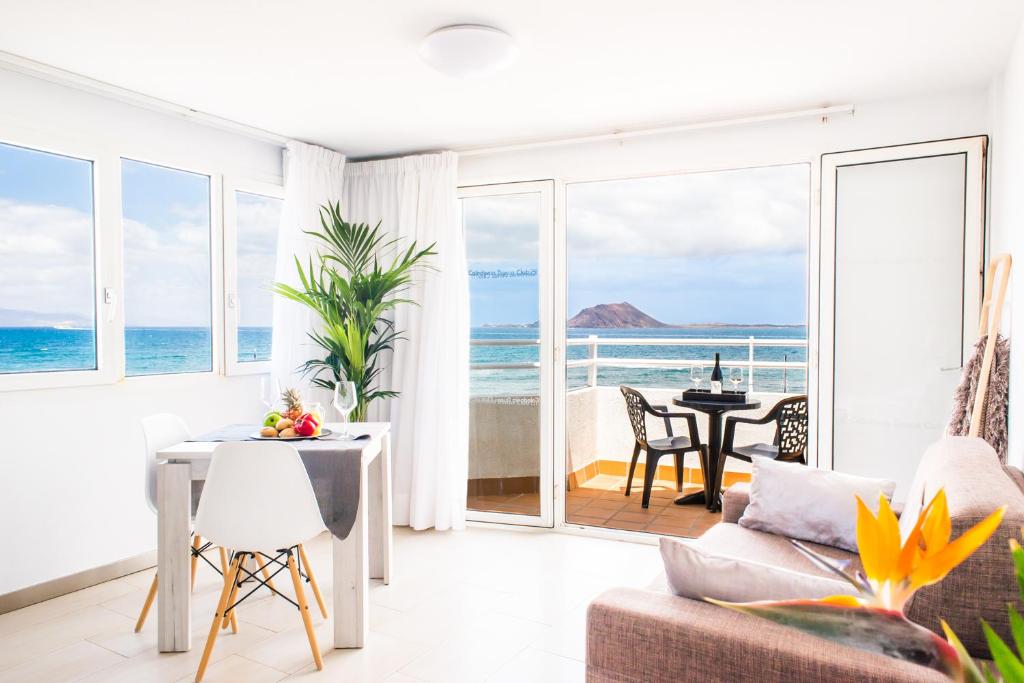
(593, 361)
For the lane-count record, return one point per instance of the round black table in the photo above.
(712, 468)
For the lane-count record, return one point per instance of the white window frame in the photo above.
(215, 264)
(231, 302)
(106, 263)
(548, 275)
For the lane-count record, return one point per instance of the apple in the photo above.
(271, 419)
(307, 425)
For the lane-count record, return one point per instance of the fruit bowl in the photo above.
(289, 426)
(323, 434)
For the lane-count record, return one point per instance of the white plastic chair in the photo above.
(259, 501)
(162, 431)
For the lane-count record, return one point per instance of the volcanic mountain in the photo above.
(613, 316)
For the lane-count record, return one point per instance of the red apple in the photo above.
(307, 425)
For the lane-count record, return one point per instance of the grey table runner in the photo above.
(333, 468)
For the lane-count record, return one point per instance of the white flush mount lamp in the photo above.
(468, 50)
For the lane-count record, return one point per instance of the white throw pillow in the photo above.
(696, 574)
(790, 499)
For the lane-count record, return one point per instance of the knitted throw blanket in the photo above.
(993, 428)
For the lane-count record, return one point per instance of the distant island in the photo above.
(10, 318)
(626, 315)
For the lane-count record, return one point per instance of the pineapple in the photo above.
(292, 404)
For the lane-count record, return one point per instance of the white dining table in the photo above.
(364, 554)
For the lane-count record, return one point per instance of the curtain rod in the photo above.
(817, 112)
(53, 74)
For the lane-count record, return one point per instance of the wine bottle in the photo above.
(716, 378)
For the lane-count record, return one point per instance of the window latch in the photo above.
(110, 301)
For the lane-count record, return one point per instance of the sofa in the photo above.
(649, 636)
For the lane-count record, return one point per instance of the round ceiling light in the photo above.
(468, 50)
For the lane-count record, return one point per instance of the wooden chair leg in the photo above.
(146, 605)
(196, 542)
(650, 469)
(223, 562)
(312, 581)
(632, 467)
(265, 572)
(229, 617)
(307, 621)
(679, 471)
(230, 580)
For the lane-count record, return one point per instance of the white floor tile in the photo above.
(537, 666)
(481, 605)
(67, 664)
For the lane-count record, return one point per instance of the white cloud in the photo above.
(698, 214)
(502, 229)
(46, 262)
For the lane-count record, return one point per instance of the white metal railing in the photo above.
(592, 362)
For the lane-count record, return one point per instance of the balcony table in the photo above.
(364, 554)
(712, 469)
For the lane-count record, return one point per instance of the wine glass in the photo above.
(736, 377)
(270, 391)
(345, 401)
(696, 375)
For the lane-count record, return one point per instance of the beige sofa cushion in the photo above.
(981, 587)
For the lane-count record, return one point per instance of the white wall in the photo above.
(1007, 219)
(71, 461)
(874, 124)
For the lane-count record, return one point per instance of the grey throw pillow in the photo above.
(793, 500)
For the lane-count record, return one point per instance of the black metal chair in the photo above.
(638, 409)
(790, 443)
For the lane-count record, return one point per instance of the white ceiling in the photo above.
(346, 74)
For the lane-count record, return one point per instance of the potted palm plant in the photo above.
(352, 293)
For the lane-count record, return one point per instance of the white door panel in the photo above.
(901, 247)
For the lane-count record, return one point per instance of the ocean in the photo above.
(148, 350)
(504, 382)
(163, 350)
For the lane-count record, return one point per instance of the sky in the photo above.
(46, 244)
(725, 247)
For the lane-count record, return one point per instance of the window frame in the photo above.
(230, 299)
(215, 262)
(106, 254)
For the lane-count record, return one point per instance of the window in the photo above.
(47, 282)
(252, 213)
(663, 274)
(256, 221)
(167, 266)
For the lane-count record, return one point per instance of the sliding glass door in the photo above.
(508, 230)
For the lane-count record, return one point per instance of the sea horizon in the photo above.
(155, 349)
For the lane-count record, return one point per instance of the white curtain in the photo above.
(415, 199)
(313, 176)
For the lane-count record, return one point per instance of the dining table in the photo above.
(363, 554)
(712, 463)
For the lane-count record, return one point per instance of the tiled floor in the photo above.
(490, 605)
(516, 503)
(601, 502)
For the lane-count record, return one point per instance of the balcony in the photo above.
(504, 460)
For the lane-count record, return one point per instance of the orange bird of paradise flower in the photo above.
(894, 568)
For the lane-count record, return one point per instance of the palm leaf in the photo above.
(352, 293)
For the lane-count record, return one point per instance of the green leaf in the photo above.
(1009, 665)
(352, 294)
(883, 632)
(972, 674)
